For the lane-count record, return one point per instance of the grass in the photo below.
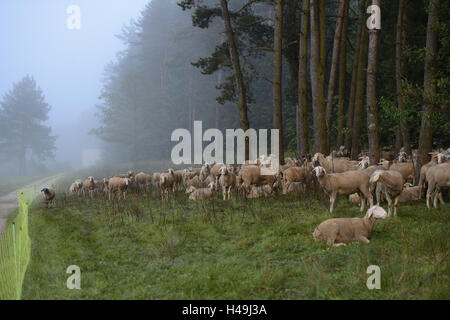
(13, 183)
(255, 249)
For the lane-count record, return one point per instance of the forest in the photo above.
(309, 68)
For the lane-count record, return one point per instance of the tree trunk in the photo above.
(317, 81)
(399, 74)
(372, 107)
(359, 93)
(334, 67)
(277, 76)
(429, 88)
(342, 76)
(352, 97)
(302, 106)
(239, 78)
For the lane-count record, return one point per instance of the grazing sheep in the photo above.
(88, 186)
(119, 185)
(344, 183)
(143, 180)
(391, 182)
(49, 196)
(340, 231)
(334, 165)
(354, 198)
(436, 158)
(438, 177)
(295, 174)
(202, 193)
(227, 180)
(251, 174)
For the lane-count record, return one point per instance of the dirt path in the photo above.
(9, 203)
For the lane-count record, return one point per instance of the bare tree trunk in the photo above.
(242, 104)
(302, 106)
(372, 107)
(277, 75)
(317, 81)
(334, 67)
(342, 76)
(352, 97)
(399, 73)
(429, 88)
(359, 93)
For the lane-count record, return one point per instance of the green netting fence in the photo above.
(15, 248)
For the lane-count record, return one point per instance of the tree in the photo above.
(317, 79)
(334, 67)
(372, 107)
(302, 105)
(429, 87)
(23, 112)
(400, 73)
(342, 77)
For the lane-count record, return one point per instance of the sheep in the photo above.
(341, 231)
(143, 180)
(344, 183)
(260, 191)
(435, 159)
(334, 165)
(178, 179)
(295, 174)
(391, 182)
(405, 168)
(49, 196)
(88, 186)
(251, 174)
(156, 179)
(202, 193)
(409, 194)
(438, 177)
(118, 184)
(354, 198)
(227, 180)
(99, 186)
(129, 175)
(167, 183)
(205, 171)
(295, 187)
(76, 187)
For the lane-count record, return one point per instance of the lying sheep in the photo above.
(340, 231)
(263, 191)
(49, 196)
(119, 185)
(391, 182)
(344, 183)
(202, 193)
(227, 180)
(438, 177)
(409, 194)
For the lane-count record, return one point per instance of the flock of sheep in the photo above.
(392, 179)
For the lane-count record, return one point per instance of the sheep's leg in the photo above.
(389, 200)
(395, 205)
(339, 244)
(441, 199)
(286, 186)
(362, 239)
(229, 192)
(224, 192)
(332, 199)
(430, 191)
(362, 200)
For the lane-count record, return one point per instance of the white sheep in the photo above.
(391, 182)
(202, 193)
(344, 183)
(340, 231)
(438, 177)
(227, 180)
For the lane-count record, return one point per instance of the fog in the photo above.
(66, 64)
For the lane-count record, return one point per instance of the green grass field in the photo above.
(240, 249)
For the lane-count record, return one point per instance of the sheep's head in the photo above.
(223, 170)
(319, 171)
(170, 171)
(105, 181)
(402, 157)
(127, 181)
(364, 163)
(377, 212)
(212, 186)
(45, 190)
(440, 158)
(315, 159)
(130, 173)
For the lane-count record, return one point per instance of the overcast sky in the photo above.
(67, 64)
